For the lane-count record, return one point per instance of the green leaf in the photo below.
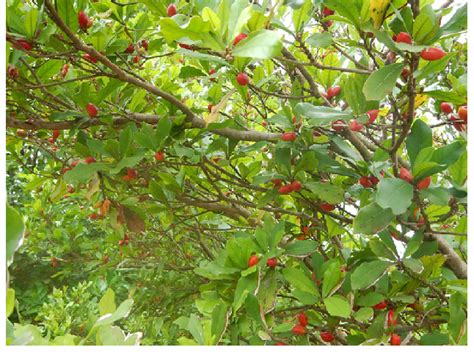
(301, 248)
(245, 285)
(298, 279)
(394, 193)
(320, 40)
(10, 301)
(381, 82)
(14, 234)
(338, 306)
(368, 273)
(327, 192)
(31, 22)
(263, 44)
(372, 219)
(380, 249)
(68, 14)
(107, 302)
(219, 320)
(364, 314)
(321, 115)
(354, 95)
(332, 279)
(457, 23)
(435, 338)
(457, 316)
(122, 311)
(195, 328)
(426, 26)
(420, 137)
(414, 264)
(302, 13)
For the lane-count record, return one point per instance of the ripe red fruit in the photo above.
(295, 186)
(171, 10)
(355, 126)
(277, 182)
(405, 73)
(253, 260)
(56, 133)
(338, 125)
(26, 45)
(446, 108)
(365, 182)
(406, 175)
(13, 72)
(51, 140)
(424, 183)
(272, 262)
(91, 110)
(457, 122)
(327, 11)
(84, 21)
(333, 91)
(381, 305)
(432, 54)
(462, 112)
(185, 46)
(160, 156)
(404, 38)
(302, 319)
(88, 160)
(89, 58)
(239, 38)
(212, 71)
(21, 133)
(373, 114)
(285, 189)
(374, 180)
(209, 107)
(391, 319)
(264, 123)
(299, 330)
(93, 216)
(145, 44)
(54, 262)
(288, 136)
(130, 49)
(132, 173)
(326, 207)
(75, 162)
(326, 336)
(136, 59)
(242, 79)
(280, 344)
(329, 23)
(395, 339)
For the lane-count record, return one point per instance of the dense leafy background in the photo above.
(136, 226)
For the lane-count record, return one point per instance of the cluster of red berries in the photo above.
(458, 120)
(406, 175)
(368, 181)
(271, 262)
(294, 186)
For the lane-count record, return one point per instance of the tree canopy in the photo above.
(216, 172)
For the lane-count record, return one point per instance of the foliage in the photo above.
(149, 175)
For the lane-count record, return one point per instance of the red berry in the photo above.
(56, 133)
(84, 21)
(329, 23)
(462, 112)
(253, 260)
(302, 319)
(280, 344)
(424, 183)
(239, 38)
(404, 38)
(26, 45)
(326, 336)
(338, 125)
(132, 173)
(333, 91)
(432, 54)
(136, 59)
(51, 140)
(264, 124)
(171, 10)
(272, 262)
(160, 156)
(89, 58)
(91, 110)
(326, 207)
(277, 182)
(365, 182)
(288, 137)
(355, 126)
(242, 79)
(391, 319)
(406, 175)
(185, 46)
(395, 339)
(88, 160)
(130, 49)
(74, 162)
(209, 107)
(327, 11)
(373, 114)
(93, 216)
(446, 108)
(295, 186)
(405, 73)
(286, 189)
(381, 305)
(145, 44)
(374, 180)
(212, 71)
(299, 330)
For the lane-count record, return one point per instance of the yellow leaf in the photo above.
(378, 8)
(214, 114)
